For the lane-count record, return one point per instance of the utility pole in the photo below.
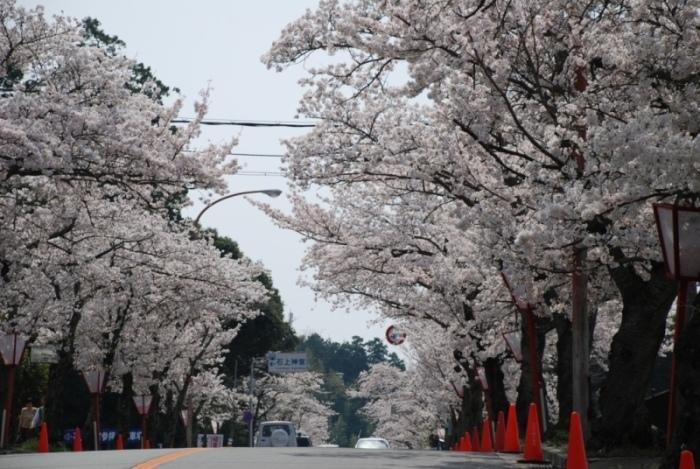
(580, 347)
(251, 391)
(579, 338)
(188, 428)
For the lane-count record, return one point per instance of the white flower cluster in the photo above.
(91, 261)
(458, 139)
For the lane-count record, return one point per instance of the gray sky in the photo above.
(218, 43)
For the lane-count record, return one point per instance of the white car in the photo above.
(276, 434)
(372, 443)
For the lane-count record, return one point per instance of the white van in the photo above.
(276, 433)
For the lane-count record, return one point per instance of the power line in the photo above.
(259, 173)
(245, 123)
(259, 155)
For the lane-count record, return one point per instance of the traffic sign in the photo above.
(286, 362)
(394, 336)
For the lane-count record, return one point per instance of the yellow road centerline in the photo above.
(155, 462)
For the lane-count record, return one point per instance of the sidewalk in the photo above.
(558, 460)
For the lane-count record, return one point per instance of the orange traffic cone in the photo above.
(77, 440)
(533, 442)
(512, 443)
(475, 439)
(119, 444)
(500, 432)
(687, 460)
(576, 454)
(486, 445)
(467, 442)
(43, 446)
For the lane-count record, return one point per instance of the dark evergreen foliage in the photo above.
(341, 364)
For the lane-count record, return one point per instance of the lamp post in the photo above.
(514, 342)
(143, 407)
(679, 236)
(268, 192)
(11, 351)
(95, 380)
(526, 308)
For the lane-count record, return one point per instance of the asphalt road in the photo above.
(260, 458)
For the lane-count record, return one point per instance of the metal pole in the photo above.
(489, 404)
(672, 392)
(143, 431)
(580, 347)
(579, 338)
(96, 403)
(250, 424)
(2, 429)
(188, 433)
(534, 365)
(8, 403)
(251, 385)
(268, 192)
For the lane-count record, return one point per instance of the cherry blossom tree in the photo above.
(405, 412)
(543, 129)
(90, 259)
(295, 397)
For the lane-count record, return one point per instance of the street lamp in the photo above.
(95, 380)
(268, 192)
(513, 340)
(11, 351)
(679, 236)
(143, 406)
(526, 308)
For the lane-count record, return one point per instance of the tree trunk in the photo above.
(58, 374)
(632, 356)
(564, 379)
(497, 390)
(471, 411)
(171, 419)
(472, 407)
(525, 395)
(687, 434)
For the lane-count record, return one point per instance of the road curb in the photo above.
(556, 457)
(514, 461)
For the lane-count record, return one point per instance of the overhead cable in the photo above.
(244, 123)
(259, 173)
(259, 155)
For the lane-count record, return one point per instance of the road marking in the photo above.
(155, 462)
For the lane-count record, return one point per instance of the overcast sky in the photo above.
(218, 43)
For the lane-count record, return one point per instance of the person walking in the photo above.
(26, 420)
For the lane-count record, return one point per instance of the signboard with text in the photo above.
(210, 441)
(286, 362)
(43, 354)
